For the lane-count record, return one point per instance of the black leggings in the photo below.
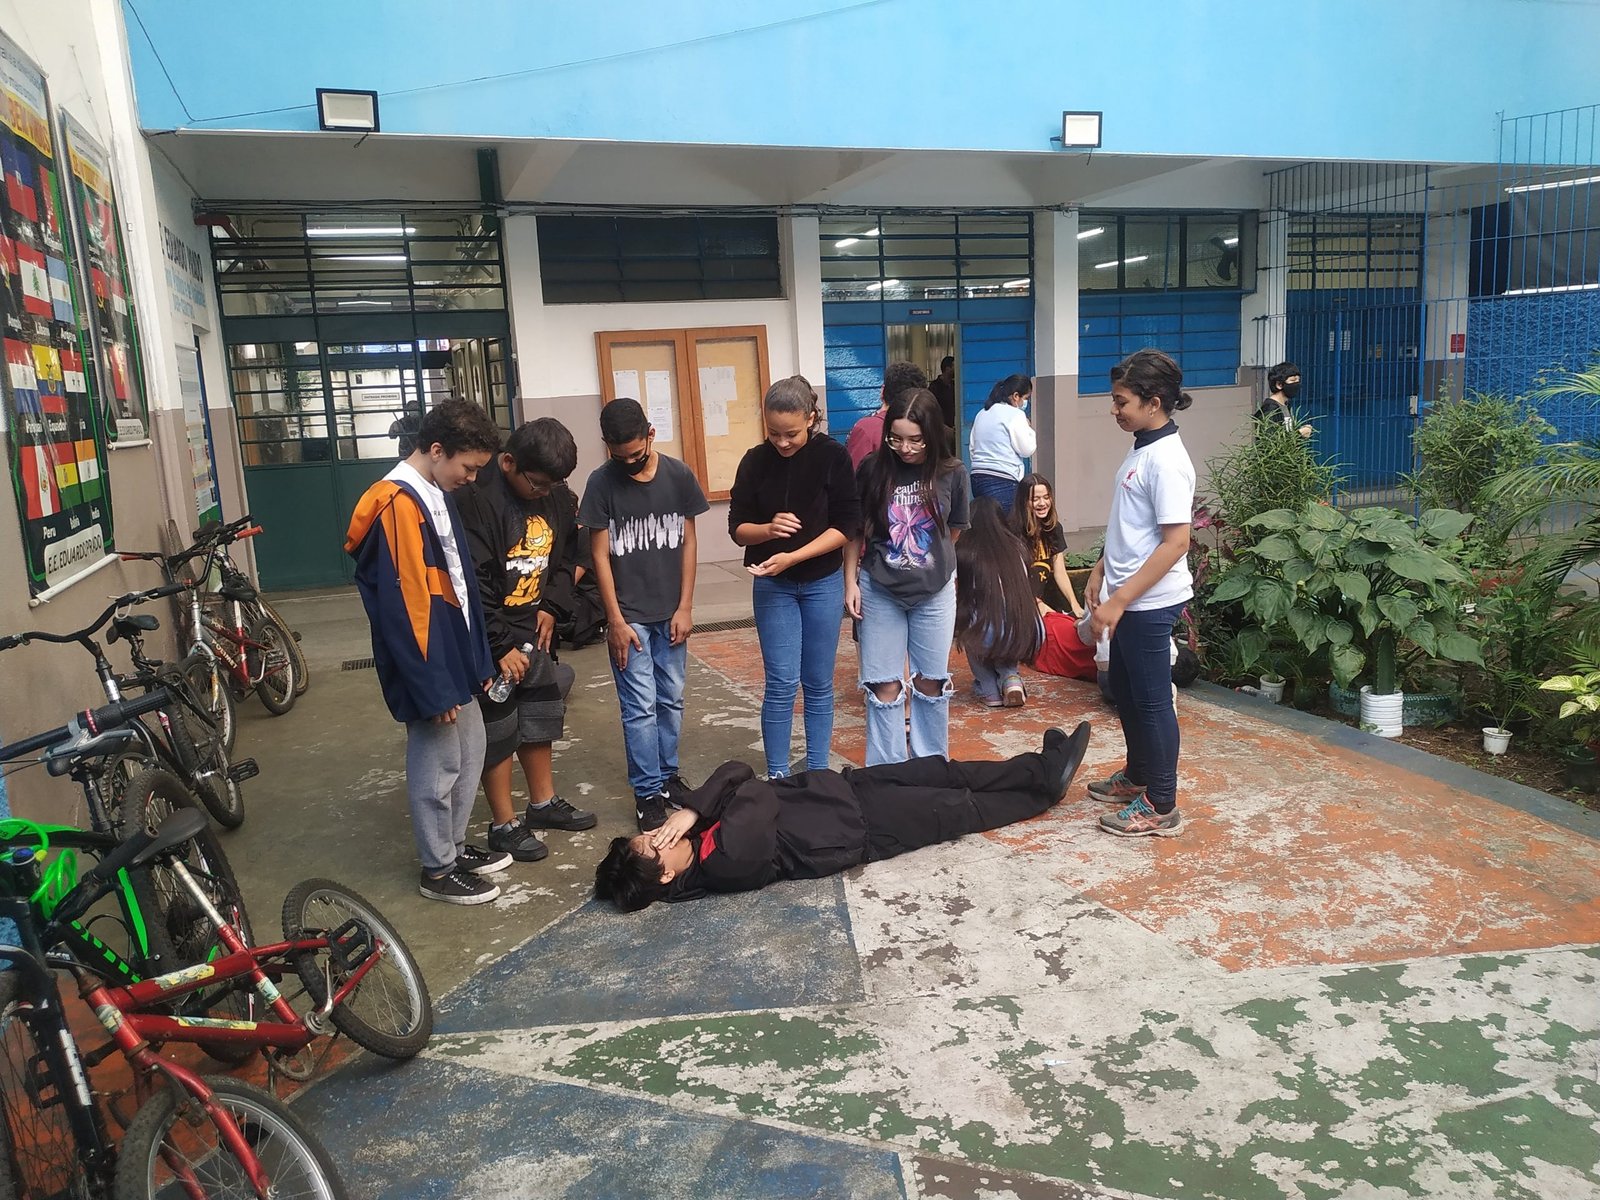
(912, 804)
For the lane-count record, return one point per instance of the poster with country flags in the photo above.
(54, 432)
(94, 203)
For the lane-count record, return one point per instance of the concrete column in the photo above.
(802, 256)
(1055, 316)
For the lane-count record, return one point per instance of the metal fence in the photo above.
(1392, 286)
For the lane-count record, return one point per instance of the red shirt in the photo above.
(1063, 653)
(865, 436)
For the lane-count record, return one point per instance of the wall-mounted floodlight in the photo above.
(1080, 130)
(347, 111)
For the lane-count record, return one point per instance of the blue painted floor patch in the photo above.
(463, 1132)
(787, 945)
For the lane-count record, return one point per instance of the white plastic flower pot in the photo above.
(1496, 741)
(1272, 689)
(1383, 715)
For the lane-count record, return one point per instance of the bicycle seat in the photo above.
(133, 626)
(237, 589)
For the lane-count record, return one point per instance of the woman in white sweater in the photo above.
(1002, 440)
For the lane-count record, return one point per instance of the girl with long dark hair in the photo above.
(793, 507)
(1001, 439)
(1034, 519)
(997, 620)
(1145, 575)
(899, 578)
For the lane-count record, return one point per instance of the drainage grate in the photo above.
(724, 626)
(358, 664)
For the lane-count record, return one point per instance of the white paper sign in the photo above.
(658, 403)
(625, 383)
(717, 391)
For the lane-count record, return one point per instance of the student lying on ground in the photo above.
(736, 833)
(1066, 653)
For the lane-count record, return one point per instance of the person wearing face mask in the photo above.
(1283, 385)
(793, 507)
(1002, 440)
(639, 508)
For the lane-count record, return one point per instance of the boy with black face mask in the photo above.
(1283, 385)
(640, 509)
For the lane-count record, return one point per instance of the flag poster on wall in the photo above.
(54, 436)
(94, 204)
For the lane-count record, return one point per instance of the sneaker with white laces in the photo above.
(1139, 819)
(557, 814)
(475, 860)
(458, 887)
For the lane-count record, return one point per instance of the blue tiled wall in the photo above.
(1511, 340)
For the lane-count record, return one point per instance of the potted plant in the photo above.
(1375, 591)
(1581, 706)
(1520, 640)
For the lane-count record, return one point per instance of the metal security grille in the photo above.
(1393, 286)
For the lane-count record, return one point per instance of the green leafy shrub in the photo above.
(1275, 468)
(1373, 591)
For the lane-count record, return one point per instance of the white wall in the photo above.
(558, 371)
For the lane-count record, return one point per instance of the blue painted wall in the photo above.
(1418, 80)
(1513, 340)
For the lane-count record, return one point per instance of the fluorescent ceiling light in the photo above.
(873, 232)
(885, 283)
(361, 258)
(843, 242)
(1233, 241)
(1556, 183)
(363, 303)
(361, 231)
(1015, 283)
(1105, 266)
(1089, 233)
(1136, 258)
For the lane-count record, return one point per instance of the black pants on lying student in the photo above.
(750, 832)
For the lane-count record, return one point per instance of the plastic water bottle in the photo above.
(500, 689)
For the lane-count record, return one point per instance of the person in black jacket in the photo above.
(737, 833)
(521, 524)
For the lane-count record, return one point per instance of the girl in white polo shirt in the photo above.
(1145, 570)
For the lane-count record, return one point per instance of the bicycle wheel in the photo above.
(171, 1149)
(275, 666)
(210, 690)
(202, 762)
(177, 929)
(389, 1012)
(302, 672)
(40, 1151)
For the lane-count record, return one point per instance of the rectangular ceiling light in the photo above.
(1080, 130)
(360, 231)
(347, 110)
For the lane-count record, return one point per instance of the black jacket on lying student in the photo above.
(752, 832)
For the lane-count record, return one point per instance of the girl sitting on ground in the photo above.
(996, 619)
(1033, 517)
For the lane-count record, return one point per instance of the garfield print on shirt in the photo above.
(528, 561)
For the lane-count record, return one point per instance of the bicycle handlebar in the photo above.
(127, 600)
(141, 846)
(87, 724)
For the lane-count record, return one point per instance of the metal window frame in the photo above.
(962, 255)
(692, 283)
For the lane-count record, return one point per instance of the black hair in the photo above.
(792, 395)
(949, 360)
(1011, 385)
(404, 430)
(457, 425)
(623, 421)
(1023, 523)
(1278, 374)
(1186, 667)
(901, 377)
(627, 878)
(1152, 375)
(877, 473)
(544, 445)
(996, 617)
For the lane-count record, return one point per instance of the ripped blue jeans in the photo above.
(892, 636)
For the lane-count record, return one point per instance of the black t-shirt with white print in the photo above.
(646, 523)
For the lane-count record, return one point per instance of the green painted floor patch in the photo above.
(1370, 985)
(1531, 1147)
(1274, 1019)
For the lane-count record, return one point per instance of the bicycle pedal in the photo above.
(245, 768)
(350, 945)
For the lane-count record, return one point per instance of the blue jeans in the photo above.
(890, 636)
(650, 694)
(1000, 488)
(798, 624)
(1141, 681)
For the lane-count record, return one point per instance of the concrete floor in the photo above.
(1361, 972)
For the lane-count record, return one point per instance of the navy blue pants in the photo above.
(1141, 681)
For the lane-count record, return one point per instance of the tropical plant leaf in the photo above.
(1460, 647)
(1422, 566)
(1272, 600)
(1338, 632)
(1442, 524)
(1313, 541)
(1298, 570)
(1354, 585)
(1235, 585)
(1274, 519)
(1401, 610)
(1252, 644)
(1324, 517)
(1391, 530)
(1304, 623)
(1424, 635)
(1346, 662)
(1362, 553)
(1277, 547)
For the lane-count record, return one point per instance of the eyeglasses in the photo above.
(900, 443)
(539, 487)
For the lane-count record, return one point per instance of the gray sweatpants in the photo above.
(443, 764)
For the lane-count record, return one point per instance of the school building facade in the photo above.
(543, 206)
